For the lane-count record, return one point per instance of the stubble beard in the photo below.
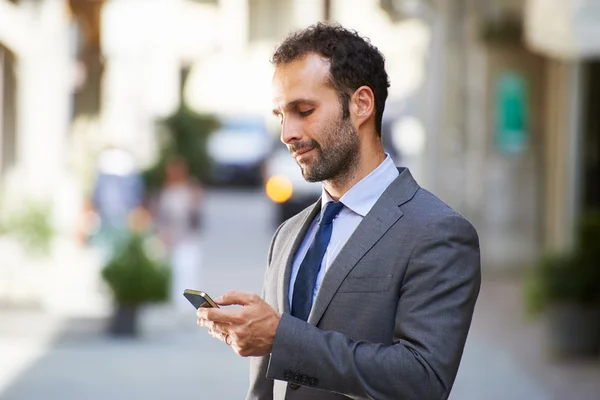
(336, 159)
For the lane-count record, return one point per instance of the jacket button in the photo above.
(294, 386)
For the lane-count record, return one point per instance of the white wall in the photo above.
(39, 39)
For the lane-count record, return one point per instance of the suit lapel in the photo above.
(375, 224)
(292, 246)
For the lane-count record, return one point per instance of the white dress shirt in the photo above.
(357, 202)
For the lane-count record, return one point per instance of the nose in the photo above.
(290, 131)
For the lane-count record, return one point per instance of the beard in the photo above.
(336, 157)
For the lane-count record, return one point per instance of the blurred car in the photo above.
(286, 187)
(238, 150)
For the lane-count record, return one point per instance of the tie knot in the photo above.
(332, 209)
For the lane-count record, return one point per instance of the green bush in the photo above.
(31, 226)
(571, 276)
(185, 135)
(133, 276)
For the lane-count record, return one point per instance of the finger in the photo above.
(214, 334)
(234, 297)
(210, 314)
(218, 327)
(204, 323)
(220, 335)
(201, 312)
(219, 315)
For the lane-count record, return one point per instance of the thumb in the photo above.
(234, 297)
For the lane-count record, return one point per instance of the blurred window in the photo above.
(269, 19)
(85, 35)
(8, 115)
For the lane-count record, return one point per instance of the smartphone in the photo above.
(199, 299)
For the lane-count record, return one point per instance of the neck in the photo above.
(370, 158)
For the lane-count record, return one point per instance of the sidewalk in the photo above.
(73, 359)
(46, 356)
(505, 356)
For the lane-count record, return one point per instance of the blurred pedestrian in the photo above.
(178, 224)
(118, 192)
(369, 293)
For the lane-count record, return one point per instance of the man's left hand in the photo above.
(249, 330)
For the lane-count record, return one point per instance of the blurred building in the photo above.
(36, 82)
(513, 133)
(567, 34)
(492, 105)
(97, 73)
(77, 76)
(237, 77)
(146, 47)
(482, 115)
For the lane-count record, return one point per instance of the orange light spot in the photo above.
(279, 189)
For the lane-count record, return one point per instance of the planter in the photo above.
(135, 279)
(573, 330)
(124, 321)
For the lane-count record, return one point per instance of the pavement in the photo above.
(506, 355)
(63, 352)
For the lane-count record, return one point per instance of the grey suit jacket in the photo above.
(392, 315)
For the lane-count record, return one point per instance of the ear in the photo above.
(362, 105)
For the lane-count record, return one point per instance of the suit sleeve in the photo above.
(260, 387)
(433, 316)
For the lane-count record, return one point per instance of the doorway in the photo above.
(590, 149)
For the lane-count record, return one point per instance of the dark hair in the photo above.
(354, 61)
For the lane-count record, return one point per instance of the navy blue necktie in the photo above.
(306, 279)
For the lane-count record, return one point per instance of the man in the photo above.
(117, 197)
(370, 292)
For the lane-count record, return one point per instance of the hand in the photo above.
(249, 330)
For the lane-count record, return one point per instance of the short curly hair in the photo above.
(354, 61)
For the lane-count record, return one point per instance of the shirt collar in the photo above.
(363, 195)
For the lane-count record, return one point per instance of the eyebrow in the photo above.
(294, 104)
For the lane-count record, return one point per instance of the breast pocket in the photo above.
(358, 284)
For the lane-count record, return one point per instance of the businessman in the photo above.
(369, 293)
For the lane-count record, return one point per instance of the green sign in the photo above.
(512, 113)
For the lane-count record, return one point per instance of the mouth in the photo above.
(298, 154)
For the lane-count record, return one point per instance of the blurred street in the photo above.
(68, 355)
(73, 358)
(139, 155)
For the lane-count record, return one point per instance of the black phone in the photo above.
(199, 299)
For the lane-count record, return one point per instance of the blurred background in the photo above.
(138, 157)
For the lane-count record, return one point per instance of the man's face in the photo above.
(324, 145)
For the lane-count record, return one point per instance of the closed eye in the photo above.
(306, 113)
